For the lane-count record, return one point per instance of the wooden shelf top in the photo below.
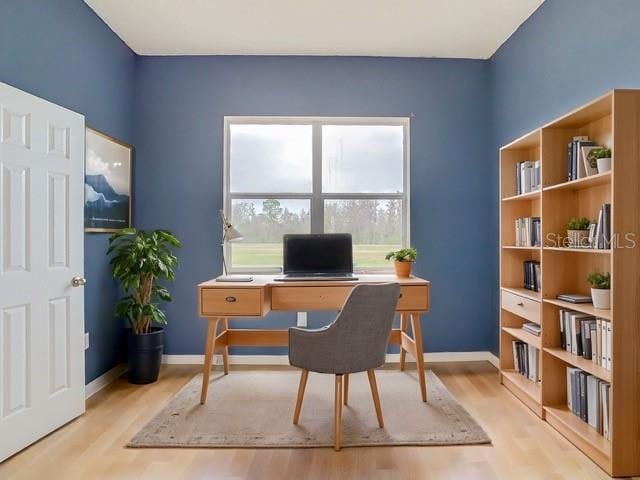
(513, 247)
(589, 113)
(523, 292)
(525, 142)
(523, 196)
(581, 429)
(530, 388)
(526, 337)
(581, 307)
(582, 363)
(581, 183)
(578, 250)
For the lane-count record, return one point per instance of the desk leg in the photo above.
(403, 328)
(225, 349)
(209, 347)
(417, 338)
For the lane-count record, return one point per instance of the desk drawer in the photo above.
(412, 298)
(231, 302)
(521, 306)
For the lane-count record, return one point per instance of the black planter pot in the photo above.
(145, 355)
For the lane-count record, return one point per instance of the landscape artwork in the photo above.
(107, 183)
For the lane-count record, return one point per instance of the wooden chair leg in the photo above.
(301, 388)
(346, 388)
(403, 328)
(209, 347)
(374, 393)
(225, 349)
(416, 327)
(338, 414)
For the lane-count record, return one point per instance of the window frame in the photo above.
(316, 196)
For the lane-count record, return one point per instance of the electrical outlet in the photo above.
(302, 319)
(86, 340)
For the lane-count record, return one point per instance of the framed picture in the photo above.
(107, 183)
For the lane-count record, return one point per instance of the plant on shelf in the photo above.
(578, 232)
(139, 260)
(600, 289)
(602, 158)
(403, 260)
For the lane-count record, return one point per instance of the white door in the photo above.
(41, 250)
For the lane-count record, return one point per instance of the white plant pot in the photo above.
(604, 164)
(601, 298)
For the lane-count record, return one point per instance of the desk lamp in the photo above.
(230, 235)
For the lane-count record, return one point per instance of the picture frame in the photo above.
(107, 183)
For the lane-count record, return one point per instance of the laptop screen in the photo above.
(318, 253)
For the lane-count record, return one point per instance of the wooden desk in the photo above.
(218, 301)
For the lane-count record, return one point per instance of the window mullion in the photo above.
(317, 204)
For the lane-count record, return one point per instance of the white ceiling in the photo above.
(395, 28)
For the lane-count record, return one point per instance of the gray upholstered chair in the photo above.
(356, 341)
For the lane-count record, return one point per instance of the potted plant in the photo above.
(578, 232)
(403, 260)
(139, 260)
(602, 156)
(600, 289)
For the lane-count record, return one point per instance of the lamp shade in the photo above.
(232, 235)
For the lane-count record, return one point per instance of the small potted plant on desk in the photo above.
(578, 232)
(602, 156)
(403, 260)
(600, 290)
(140, 259)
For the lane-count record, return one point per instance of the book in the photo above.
(532, 328)
(598, 354)
(593, 328)
(609, 342)
(603, 345)
(574, 298)
(563, 337)
(580, 170)
(597, 240)
(593, 399)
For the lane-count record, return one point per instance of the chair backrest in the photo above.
(362, 328)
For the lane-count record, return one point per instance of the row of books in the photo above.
(532, 328)
(526, 360)
(577, 158)
(586, 336)
(528, 232)
(532, 275)
(600, 232)
(528, 177)
(588, 398)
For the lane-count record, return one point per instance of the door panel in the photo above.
(42, 249)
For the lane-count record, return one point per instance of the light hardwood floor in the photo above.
(92, 446)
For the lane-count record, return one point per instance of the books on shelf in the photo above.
(532, 275)
(586, 336)
(528, 232)
(526, 360)
(574, 298)
(600, 234)
(588, 397)
(575, 164)
(528, 177)
(532, 328)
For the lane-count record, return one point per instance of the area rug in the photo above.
(254, 409)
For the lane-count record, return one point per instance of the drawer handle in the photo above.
(520, 304)
(400, 296)
(230, 299)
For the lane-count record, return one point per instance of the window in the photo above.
(316, 175)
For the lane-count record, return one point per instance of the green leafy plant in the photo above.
(578, 224)
(600, 152)
(600, 280)
(140, 259)
(403, 255)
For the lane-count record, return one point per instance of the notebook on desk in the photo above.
(317, 257)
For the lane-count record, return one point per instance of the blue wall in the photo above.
(60, 50)
(180, 105)
(567, 53)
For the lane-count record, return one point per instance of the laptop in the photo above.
(317, 257)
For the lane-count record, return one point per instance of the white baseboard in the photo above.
(284, 360)
(94, 386)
